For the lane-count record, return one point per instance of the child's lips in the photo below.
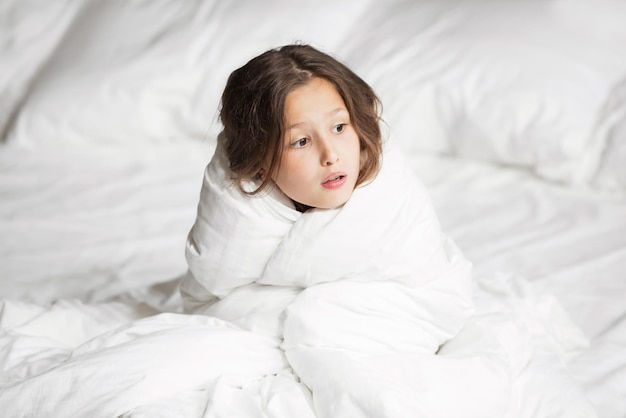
(335, 180)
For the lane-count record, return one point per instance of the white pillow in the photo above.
(30, 30)
(138, 72)
(513, 82)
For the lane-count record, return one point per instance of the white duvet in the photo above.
(368, 310)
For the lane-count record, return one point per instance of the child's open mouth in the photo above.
(335, 180)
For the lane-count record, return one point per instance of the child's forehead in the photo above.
(313, 109)
(316, 91)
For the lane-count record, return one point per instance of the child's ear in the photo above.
(262, 174)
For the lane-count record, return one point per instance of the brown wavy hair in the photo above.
(253, 110)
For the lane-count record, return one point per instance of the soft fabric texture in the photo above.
(387, 231)
(611, 174)
(30, 32)
(138, 73)
(361, 311)
(518, 83)
(363, 298)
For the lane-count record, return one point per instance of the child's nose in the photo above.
(328, 155)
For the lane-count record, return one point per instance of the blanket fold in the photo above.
(384, 245)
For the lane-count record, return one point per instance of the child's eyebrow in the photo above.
(331, 113)
(294, 125)
(338, 110)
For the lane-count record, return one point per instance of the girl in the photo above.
(304, 236)
(300, 120)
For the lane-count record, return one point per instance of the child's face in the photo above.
(321, 156)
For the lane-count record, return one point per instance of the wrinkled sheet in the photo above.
(569, 242)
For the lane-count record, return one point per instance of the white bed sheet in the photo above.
(103, 224)
(92, 223)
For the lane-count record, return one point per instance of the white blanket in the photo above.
(361, 311)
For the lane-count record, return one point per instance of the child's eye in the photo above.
(300, 143)
(339, 128)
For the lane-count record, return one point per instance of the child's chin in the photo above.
(332, 205)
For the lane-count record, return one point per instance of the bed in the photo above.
(512, 114)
